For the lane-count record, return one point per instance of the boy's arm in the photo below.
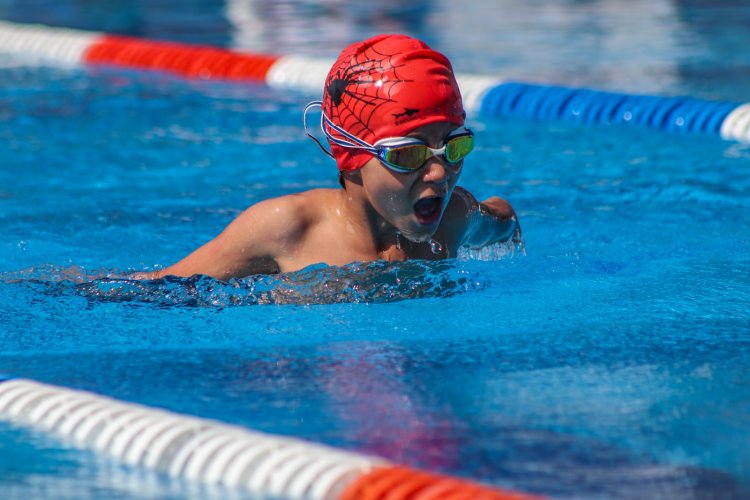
(248, 245)
(491, 221)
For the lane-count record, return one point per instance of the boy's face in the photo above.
(414, 202)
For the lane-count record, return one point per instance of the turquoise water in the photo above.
(610, 361)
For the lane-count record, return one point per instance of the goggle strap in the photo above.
(308, 133)
(356, 142)
(325, 124)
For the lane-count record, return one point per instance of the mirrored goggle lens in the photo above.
(409, 157)
(413, 156)
(457, 148)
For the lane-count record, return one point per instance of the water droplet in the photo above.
(398, 240)
(435, 246)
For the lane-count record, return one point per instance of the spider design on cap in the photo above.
(358, 87)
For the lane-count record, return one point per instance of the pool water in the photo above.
(609, 361)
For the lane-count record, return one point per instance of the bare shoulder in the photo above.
(456, 217)
(462, 202)
(256, 240)
(474, 223)
(282, 220)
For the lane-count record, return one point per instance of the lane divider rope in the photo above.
(482, 94)
(487, 95)
(211, 452)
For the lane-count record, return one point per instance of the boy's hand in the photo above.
(502, 211)
(499, 208)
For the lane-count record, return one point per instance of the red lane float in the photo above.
(402, 483)
(191, 61)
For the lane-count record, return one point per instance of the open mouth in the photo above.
(429, 209)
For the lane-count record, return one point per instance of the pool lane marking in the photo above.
(211, 452)
(483, 94)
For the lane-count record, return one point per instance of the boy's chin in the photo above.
(423, 236)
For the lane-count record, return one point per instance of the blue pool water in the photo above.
(611, 361)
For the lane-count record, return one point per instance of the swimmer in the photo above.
(393, 118)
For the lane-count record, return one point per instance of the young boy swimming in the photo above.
(393, 116)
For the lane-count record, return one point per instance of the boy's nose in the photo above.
(436, 171)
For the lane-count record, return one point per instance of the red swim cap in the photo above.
(387, 86)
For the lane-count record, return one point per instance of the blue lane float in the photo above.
(593, 107)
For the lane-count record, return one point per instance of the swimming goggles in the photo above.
(401, 154)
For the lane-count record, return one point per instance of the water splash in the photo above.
(495, 251)
(436, 247)
(354, 283)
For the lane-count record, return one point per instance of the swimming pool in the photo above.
(610, 361)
